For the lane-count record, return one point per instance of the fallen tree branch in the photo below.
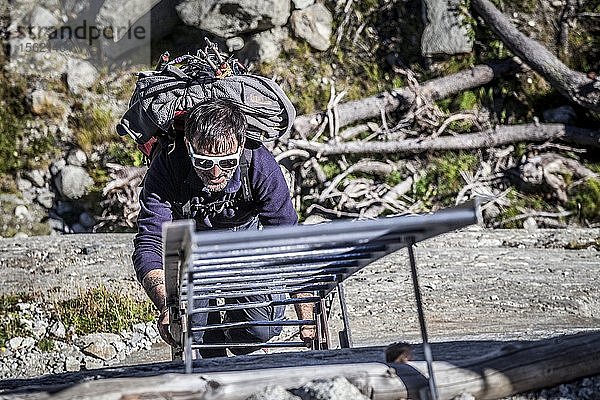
(370, 107)
(574, 85)
(501, 135)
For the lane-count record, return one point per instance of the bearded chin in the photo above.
(206, 178)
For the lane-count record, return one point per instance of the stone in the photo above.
(39, 328)
(81, 75)
(57, 166)
(234, 44)
(302, 4)
(77, 157)
(45, 102)
(337, 388)
(93, 363)
(45, 198)
(99, 345)
(42, 17)
(86, 220)
(78, 228)
(58, 330)
(151, 331)
(36, 177)
(273, 393)
(23, 184)
(561, 115)
(20, 343)
(445, 31)
(22, 213)
(139, 328)
(530, 224)
(73, 182)
(232, 18)
(266, 46)
(313, 24)
(72, 364)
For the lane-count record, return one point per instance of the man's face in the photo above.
(215, 166)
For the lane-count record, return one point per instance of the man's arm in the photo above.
(154, 285)
(305, 311)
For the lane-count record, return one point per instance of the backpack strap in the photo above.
(245, 161)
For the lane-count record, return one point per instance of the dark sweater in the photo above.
(172, 182)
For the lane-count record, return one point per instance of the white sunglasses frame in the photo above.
(215, 159)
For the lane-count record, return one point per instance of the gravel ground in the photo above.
(477, 286)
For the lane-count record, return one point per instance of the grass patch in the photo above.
(93, 126)
(100, 310)
(46, 344)
(585, 200)
(443, 179)
(11, 327)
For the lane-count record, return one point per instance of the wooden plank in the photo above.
(510, 370)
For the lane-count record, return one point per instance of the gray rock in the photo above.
(234, 44)
(45, 198)
(100, 345)
(39, 328)
(139, 328)
(444, 31)
(58, 330)
(44, 102)
(329, 389)
(93, 363)
(72, 364)
(20, 235)
(20, 343)
(23, 184)
(77, 157)
(57, 224)
(36, 177)
(273, 393)
(302, 4)
(41, 17)
(151, 331)
(86, 220)
(266, 46)
(22, 213)
(561, 115)
(81, 75)
(57, 166)
(313, 24)
(228, 19)
(78, 228)
(530, 224)
(73, 182)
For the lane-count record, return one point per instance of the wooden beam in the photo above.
(512, 369)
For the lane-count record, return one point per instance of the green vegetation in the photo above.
(585, 200)
(46, 344)
(93, 126)
(443, 179)
(520, 203)
(100, 310)
(13, 116)
(11, 327)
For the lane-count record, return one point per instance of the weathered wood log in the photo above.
(370, 107)
(510, 370)
(574, 85)
(500, 135)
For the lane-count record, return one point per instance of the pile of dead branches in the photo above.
(369, 157)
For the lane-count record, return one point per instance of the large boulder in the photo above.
(445, 31)
(73, 182)
(313, 24)
(231, 18)
(265, 46)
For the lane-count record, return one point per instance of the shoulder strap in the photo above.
(245, 162)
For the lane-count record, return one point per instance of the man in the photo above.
(208, 174)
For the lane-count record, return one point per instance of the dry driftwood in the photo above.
(574, 85)
(498, 136)
(370, 107)
(510, 370)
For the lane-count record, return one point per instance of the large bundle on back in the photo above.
(162, 97)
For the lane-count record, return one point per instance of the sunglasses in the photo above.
(208, 162)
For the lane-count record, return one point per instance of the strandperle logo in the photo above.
(84, 32)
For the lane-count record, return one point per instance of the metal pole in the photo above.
(426, 348)
(188, 321)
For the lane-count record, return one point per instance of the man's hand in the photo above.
(308, 333)
(163, 327)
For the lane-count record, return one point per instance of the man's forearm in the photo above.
(154, 285)
(304, 310)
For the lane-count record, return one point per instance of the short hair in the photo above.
(214, 122)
